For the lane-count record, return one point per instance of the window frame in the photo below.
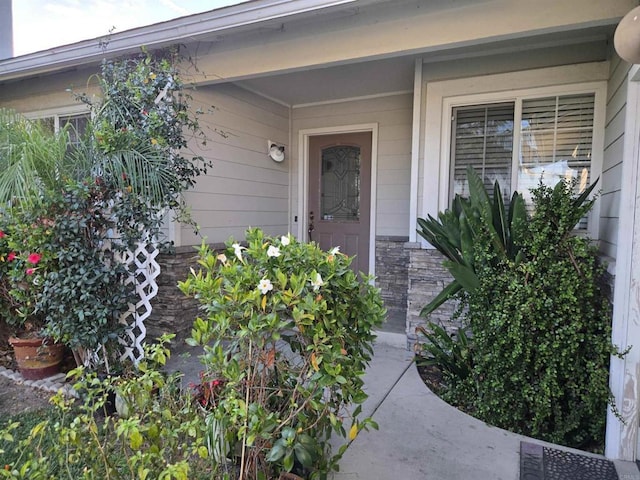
(598, 89)
(56, 113)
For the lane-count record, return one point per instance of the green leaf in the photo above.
(276, 453)
(448, 292)
(464, 275)
(303, 455)
(288, 462)
(288, 433)
(135, 440)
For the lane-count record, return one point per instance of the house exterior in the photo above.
(379, 105)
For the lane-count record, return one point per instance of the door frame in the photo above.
(303, 178)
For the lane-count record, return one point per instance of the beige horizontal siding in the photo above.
(611, 181)
(38, 94)
(244, 187)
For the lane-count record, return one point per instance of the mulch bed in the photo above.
(431, 376)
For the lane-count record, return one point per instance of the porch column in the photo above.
(622, 438)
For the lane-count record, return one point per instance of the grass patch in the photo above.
(11, 452)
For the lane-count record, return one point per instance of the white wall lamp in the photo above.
(627, 37)
(275, 151)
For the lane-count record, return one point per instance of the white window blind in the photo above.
(483, 138)
(555, 142)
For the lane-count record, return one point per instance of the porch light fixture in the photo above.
(275, 151)
(626, 40)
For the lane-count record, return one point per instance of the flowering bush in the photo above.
(119, 178)
(84, 318)
(288, 334)
(140, 128)
(25, 262)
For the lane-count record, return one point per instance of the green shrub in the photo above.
(452, 354)
(540, 326)
(287, 334)
(84, 297)
(162, 436)
(542, 350)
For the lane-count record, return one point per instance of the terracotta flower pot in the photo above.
(35, 359)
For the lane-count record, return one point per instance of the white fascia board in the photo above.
(183, 29)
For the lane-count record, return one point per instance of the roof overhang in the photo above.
(296, 51)
(234, 19)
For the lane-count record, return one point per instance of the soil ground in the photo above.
(16, 398)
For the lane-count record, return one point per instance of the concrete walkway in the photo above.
(420, 436)
(423, 438)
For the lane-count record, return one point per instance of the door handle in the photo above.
(310, 229)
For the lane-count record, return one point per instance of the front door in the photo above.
(340, 194)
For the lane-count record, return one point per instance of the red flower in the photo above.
(30, 271)
(34, 258)
(11, 256)
(2, 234)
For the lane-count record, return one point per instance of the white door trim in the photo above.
(303, 178)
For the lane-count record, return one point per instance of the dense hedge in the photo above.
(540, 328)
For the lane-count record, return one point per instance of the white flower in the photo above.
(334, 250)
(265, 286)
(317, 283)
(273, 251)
(284, 240)
(237, 249)
(222, 257)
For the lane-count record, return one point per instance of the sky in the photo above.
(43, 24)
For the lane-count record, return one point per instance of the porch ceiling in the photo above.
(338, 82)
(364, 77)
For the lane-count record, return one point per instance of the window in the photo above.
(77, 123)
(54, 122)
(522, 142)
(482, 138)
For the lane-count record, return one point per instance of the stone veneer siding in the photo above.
(392, 262)
(409, 277)
(172, 311)
(427, 277)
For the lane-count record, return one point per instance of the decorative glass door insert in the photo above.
(340, 183)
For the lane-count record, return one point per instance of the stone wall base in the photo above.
(173, 312)
(392, 261)
(427, 278)
(409, 278)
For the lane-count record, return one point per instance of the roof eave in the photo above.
(246, 15)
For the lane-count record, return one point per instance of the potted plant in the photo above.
(24, 264)
(87, 318)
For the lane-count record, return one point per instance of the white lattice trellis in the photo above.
(145, 274)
